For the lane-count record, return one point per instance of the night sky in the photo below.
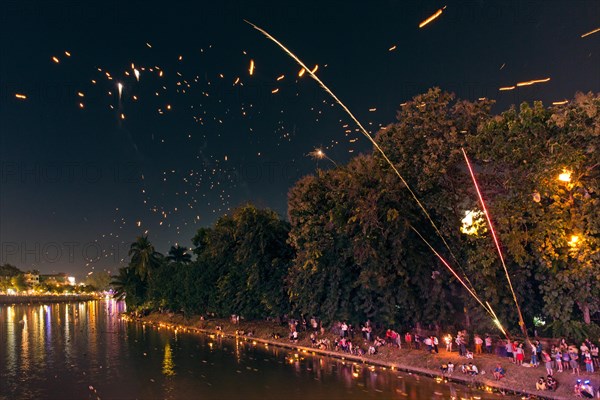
(78, 182)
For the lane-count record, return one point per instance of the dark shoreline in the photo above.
(29, 299)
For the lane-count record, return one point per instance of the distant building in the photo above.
(55, 279)
(32, 278)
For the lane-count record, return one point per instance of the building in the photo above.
(32, 278)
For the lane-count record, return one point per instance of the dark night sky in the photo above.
(75, 182)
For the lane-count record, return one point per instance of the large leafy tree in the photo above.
(357, 257)
(541, 166)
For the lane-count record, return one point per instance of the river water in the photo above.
(86, 351)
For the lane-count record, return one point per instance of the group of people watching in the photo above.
(560, 357)
(548, 383)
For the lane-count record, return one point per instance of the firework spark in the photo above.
(20, 96)
(487, 307)
(590, 33)
(319, 154)
(251, 69)
(496, 242)
(532, 82)
(362, 129)
(434, 16)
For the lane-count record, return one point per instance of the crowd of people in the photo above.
(556, 358)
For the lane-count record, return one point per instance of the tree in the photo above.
(357, 258)
(541, 165)
(99, 280)
(144, 258)
(178, 254)
(7, 272)
(128, 286)
(18, 282)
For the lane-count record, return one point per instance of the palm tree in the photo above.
(122, 282)
(178, 254)
(143, 257)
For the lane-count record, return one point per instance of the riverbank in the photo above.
(35, 299)
(518, 380)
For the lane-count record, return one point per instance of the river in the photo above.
(86, 351)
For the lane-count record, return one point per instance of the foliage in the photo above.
(99, 280)
(351, 250)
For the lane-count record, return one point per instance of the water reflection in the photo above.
(84, 350)
(168, 368)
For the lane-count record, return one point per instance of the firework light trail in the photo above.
(434, 16)
(364, 132)
(487, 307)
(590, 33)
(489, 221)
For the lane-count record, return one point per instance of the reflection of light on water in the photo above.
(48, 321)
(10, 339)
(168, 368)
(25, 351)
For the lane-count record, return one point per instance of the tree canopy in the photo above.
(354, 247)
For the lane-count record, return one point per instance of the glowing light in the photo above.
(137, 74)
(590, 33)
(434, 16)
(507, 88)
(80, 94)
(20, 96)
(472, 223)
(67, 54)
(275, 90)
(280, 77)
(565, 176)
(55, 59)
(532, 82)
(302, 72)
(392, 48)
(120, 88)
(251, 69)
(320, 154)
(559, 103)
(574, 240)
(314, 69)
